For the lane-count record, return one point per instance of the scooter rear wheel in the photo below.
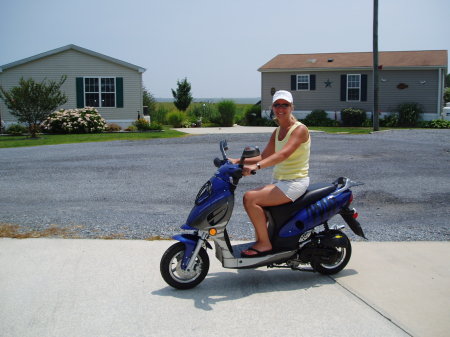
(175, 276)
(339, 262)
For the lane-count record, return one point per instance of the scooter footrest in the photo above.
(239, 248)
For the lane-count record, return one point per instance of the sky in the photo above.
(217, 45)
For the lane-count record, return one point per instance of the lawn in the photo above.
(20, 141)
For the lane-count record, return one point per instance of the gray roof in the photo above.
(74, 47)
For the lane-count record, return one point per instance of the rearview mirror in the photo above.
(250, 152)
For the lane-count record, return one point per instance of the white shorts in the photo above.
(293, 189)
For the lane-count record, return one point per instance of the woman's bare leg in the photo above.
(254, 201)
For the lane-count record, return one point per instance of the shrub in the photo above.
(131, 128)
(206, 111)
(16, 129)
(214, 117)
(368, 123)
(155, 126)
(318, 118)
(86, 120)
(447, 95)
(113, 127)
(176, 118)
(141, 124)
(159, 115)
(436, 124)
(253, 117)
(408, 114)
(390, 121)
(227, 111)
(144, 125)
(353, 117)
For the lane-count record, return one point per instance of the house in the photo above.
(113, 86)
(335, 81)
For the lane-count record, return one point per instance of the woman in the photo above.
(288, 150)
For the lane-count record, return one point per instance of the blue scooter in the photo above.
(299, 232)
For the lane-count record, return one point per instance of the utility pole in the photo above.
(375, 112)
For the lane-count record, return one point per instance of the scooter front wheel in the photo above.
(175, 276)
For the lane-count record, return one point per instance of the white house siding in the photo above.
(422, 89)
(75, 64)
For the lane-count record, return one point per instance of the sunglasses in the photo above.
(282, 105)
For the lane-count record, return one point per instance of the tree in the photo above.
(447, 81)
(182, 95)
(32, 102)
(148, 100)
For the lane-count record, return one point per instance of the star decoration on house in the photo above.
(328, 83)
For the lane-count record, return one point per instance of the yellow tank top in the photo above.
(296, 166)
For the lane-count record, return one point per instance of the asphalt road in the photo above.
(142, 189)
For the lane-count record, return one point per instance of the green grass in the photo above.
(20, 141)
(343, 129)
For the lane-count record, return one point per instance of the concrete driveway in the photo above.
(57, 287)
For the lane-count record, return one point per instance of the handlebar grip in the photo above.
(253, 172)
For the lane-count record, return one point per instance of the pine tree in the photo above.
(182, 95)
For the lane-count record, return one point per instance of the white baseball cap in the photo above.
(283, 94)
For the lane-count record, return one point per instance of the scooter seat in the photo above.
(282, 213)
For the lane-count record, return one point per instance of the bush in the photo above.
(203, 113)
(318, 118)
(408, 114)
(86, 120)
(353, 117)
(113, 127)
(447, 95)
(227, 111)
(436, 124)
(390, 121)
(252, 116)
(176, 118)
(131, 128)
(141, 124)
(144, 125)
(16, 129)
(159, 115)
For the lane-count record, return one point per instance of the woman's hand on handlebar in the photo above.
(249, 169)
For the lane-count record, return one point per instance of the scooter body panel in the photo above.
(314, 215)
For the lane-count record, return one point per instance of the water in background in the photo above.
(241, 100)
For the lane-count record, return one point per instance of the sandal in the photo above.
(258, 253)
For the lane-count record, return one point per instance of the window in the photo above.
(353, 87)
(302, 82)
(100, 91)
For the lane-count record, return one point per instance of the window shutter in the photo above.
(294, 82)
(80, 92)
(119, 92)
(363, 88)
(343, 87)
(312, 82)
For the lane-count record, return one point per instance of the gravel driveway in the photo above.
(142, 189)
